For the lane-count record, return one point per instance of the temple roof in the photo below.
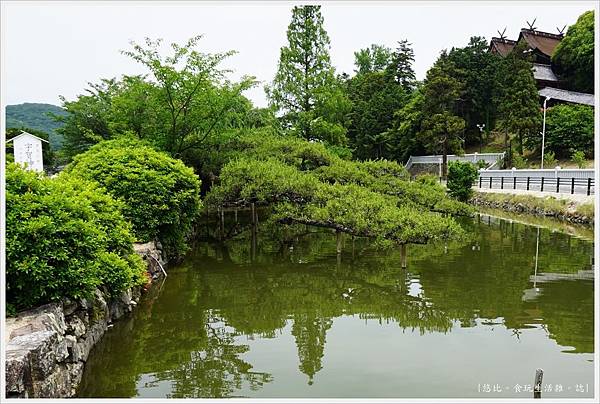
(544, 42)
(543, 72)
(502, 46)
(567, 96)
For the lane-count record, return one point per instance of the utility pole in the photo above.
(544, 131)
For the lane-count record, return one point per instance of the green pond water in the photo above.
(284, 316)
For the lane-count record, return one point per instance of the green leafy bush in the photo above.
(569, 127)
(519, 161)
(64, 237)
(461, 176)
(549, 160)
(578, 157)
(161, 196)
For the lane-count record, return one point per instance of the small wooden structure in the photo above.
(28, 151)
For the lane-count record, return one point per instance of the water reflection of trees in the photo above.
(295, 278)
(173, 339)
(490, 281)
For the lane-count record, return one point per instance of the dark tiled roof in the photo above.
(543, 72)
(567, 96)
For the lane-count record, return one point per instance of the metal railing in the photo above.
(491, 159)
(572, 185)
(535, 173)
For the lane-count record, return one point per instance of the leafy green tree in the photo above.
(64, 237)
(574, 55)
(184, 99)
(400, 67)
(161, 196)
(406, 124)
(477, 69)
(461, 176)
(305, 87)
(441, 127)
(376, 58)
(568, 127)
(192, 89)
(374, 99)
(518, 100)
(376, 92)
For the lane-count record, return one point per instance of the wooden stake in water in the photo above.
(537, 385)
(338, 244)
(403, 255)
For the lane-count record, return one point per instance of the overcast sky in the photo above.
(55, 48)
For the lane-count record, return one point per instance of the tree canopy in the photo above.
(305, 88)
(574, 55)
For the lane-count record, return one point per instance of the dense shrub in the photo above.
(568, 128)
(461, 176)
(161, 195)
(64, 237)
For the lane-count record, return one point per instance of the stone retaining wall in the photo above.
(479, 199)
(47, 347)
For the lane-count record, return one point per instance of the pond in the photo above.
(285, 316)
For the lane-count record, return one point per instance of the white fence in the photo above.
(532, 173)
(491, 159)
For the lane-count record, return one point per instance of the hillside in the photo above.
(36, 116)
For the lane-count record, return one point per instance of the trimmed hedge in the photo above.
(161, 196)
(64, 238)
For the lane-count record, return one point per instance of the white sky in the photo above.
(55, 48)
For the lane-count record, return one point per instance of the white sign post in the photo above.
(28, 151)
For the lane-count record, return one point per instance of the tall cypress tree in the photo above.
(305, 82)
(518, 102)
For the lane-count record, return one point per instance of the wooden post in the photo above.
(537, 385)
(572, 185)
(528, 183)
(589, 186)
(542, 187)
(223, 220)
(338, 242)
(501, 182)
(490, 182)
(403, 255)
(253, 241)
(514, 182)
(557, 185)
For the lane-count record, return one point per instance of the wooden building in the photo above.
(541, 45)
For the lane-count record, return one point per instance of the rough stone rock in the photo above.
(56, 384)
(84, 345)
(44, 318)
(99, 310)
(18, 373)
(75, 326)
(69, 306)
(76, 372)
(44, 351)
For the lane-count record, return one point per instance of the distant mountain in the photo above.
(36, 116)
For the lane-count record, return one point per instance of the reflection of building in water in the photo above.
(310, 332)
